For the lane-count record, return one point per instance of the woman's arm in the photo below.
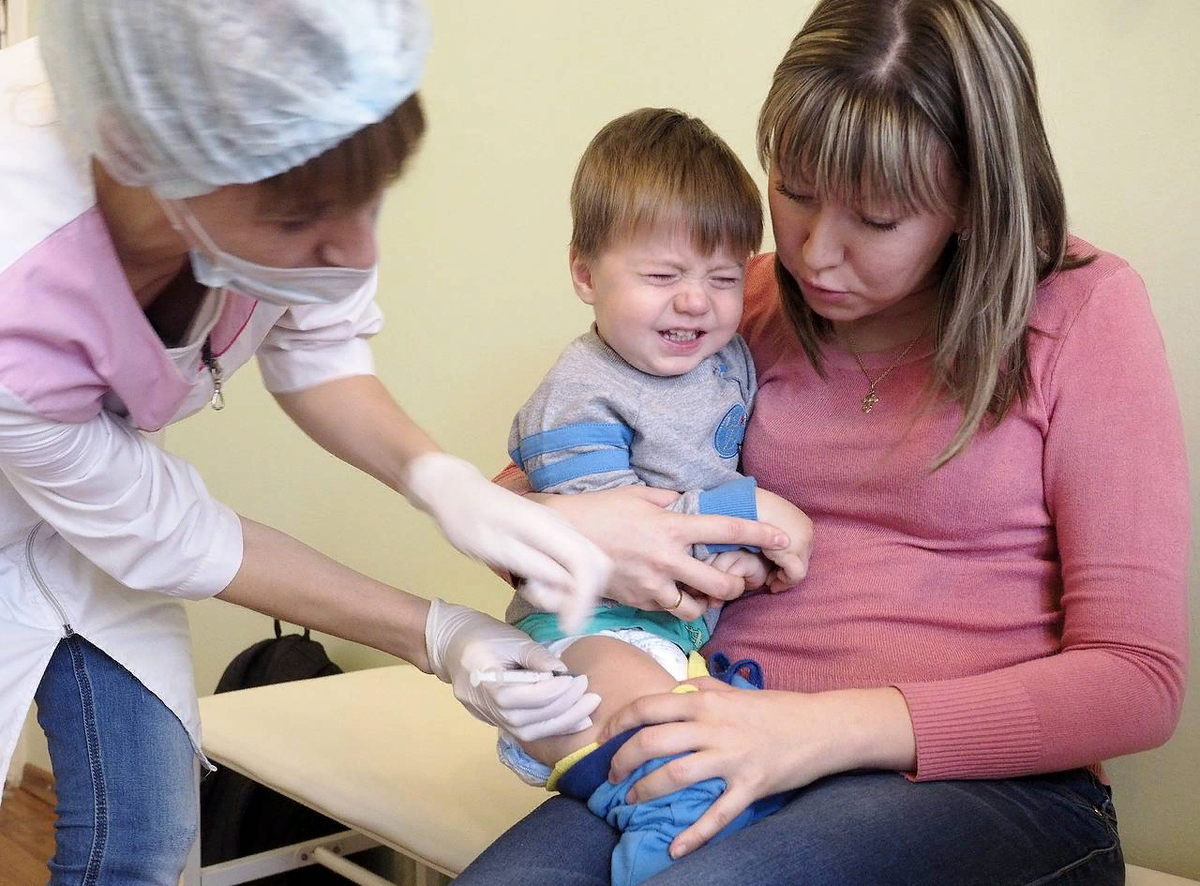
(1114, 473)
(281, 577)
(651, 546)
(140, 514)
(380, 440)
(356, 419)
(286, 579)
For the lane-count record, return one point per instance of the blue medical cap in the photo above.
(184, 96)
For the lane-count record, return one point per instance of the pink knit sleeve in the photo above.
(1116, 486)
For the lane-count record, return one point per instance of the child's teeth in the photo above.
(681, 334)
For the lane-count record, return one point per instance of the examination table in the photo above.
(392, 755)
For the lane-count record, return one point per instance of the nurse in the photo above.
(198, 184)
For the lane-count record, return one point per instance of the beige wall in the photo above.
(476, 289)
(475, 285)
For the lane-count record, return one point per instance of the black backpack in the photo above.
(240, 817)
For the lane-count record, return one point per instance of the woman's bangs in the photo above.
(356, 170)
(863, 148)
(348, 174)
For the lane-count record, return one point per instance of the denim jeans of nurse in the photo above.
(124, 772)
(855, 829)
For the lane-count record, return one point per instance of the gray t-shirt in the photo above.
(595, 422)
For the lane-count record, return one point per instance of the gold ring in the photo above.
(677, 603)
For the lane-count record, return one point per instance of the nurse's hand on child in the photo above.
(563, 571)
(462, 643)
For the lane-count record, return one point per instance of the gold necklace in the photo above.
(871, 398)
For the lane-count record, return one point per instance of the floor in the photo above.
(27, 833)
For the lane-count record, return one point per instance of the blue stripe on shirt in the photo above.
(599, 462)
(613, 435)
(575, 436)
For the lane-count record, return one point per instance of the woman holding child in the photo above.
(950, 386)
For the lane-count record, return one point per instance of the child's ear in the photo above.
(581, 277)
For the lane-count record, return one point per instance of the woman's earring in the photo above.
(963, 237)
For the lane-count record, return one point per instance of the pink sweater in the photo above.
(1029, 599)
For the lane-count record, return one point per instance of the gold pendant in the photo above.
(869, 401)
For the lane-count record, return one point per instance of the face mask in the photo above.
(285, 287)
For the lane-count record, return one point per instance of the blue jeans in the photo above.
(854, 829)
(124, 771)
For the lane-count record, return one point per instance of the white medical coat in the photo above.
(100, 529)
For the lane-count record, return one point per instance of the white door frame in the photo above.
(14, 21)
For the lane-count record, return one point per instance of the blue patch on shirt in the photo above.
(728, 438)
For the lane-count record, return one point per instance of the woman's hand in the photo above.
(760, 742)
(357, 420)
(651, 547)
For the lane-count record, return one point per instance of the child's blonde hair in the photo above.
(655, 167)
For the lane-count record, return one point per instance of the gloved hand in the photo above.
(459, 640)
(564, 572)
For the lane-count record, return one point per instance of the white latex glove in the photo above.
(564, 572)
(460, 640)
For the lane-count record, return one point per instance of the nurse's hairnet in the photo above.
(185, 96)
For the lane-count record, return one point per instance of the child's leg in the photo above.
(618, 673)
(648, 828)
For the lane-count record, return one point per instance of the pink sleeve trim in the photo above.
(981, 727)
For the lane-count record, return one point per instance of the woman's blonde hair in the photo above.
(658, 166)
(892, 99)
